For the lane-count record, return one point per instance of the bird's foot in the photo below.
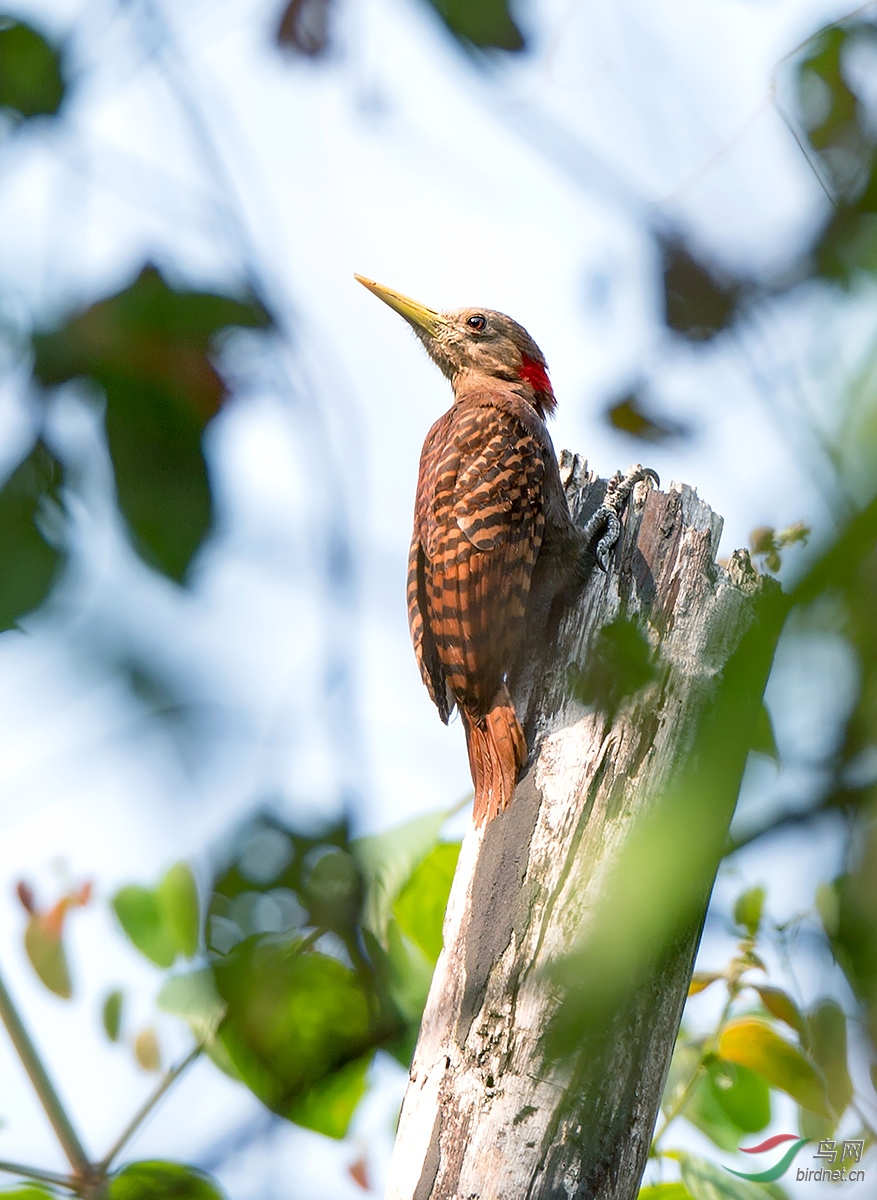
(606, 521)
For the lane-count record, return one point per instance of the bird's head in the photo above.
(475, 343)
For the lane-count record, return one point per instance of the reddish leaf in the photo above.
(358, 1172)
(45, 948)
(26, 895)
(304, 27)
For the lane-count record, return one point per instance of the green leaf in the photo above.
(388, 860)
(149, 349)
(764, 739)
(620, 663)
(634, 415)
(177, 896)
(487, 24)
(420, 906)
(44, 943)
(194, 998)
(704, 1111)
(743, 1095)
(28, 564)
(162, 1181)
(142, 918)
(698, 301)
(292, 1020)
(828, 1046)
(749, 908)
(328, 1105)
(728, 1103)
(112, 1015)
(707, 1181)
(334, 891)
(664, 1191)
(781, 1005)
(29, 1191)
(31, 81)
(405, 974)
(754, 1044)
(828, 907)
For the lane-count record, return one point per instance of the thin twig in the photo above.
(43, 1086)
(35, 1173)
(143, 1112)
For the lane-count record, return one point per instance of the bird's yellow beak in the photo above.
(415, 314)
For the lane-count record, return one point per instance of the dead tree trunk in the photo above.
(489, 1113)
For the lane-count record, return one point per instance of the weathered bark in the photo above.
(487, 1115)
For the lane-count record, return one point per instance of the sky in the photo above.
(530, 186)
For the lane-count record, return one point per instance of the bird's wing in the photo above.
(480, 520)
(425, 649)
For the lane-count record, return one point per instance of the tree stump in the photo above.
(490, 1112)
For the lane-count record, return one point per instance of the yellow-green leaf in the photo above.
(112, 1015)
(177, 897)
(781, 1005)
(142, 918)
(753, 1043)
(701, 980)
(420, 907)
(828, 1038)
(44, 945)
(146, 1050)
(749, 908)
(664, 1191)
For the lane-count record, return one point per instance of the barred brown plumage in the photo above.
(492, 536)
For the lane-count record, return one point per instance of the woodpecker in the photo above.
(493, 536)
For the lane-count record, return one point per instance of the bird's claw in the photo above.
(607, 518)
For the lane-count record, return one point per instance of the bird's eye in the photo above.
(477, 322)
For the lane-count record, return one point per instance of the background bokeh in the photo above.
(679, 203)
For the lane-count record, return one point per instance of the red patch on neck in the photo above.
(534, 373)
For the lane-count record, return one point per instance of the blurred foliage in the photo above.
(768, 544)
(307, 953)
(487, 25)
(162, 1181)
(657, 887)
(635, 416)
(44, 937)
(722, 1082)
(111, 1013)
(304, 27)
(313, 952)
(148, 348)
(842, 134)
(29, 504)
(698, 300)
(620, 664)
(162, 922)
(31, 72)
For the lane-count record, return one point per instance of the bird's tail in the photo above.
(497, 751)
